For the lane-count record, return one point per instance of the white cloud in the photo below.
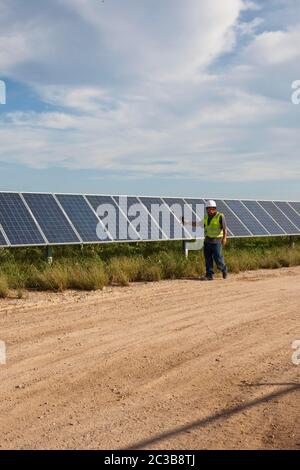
(131, 137)
(167, 38)
(86, 39)
(52, 120)
(85, 99)
(175, 88)
(250, 27)
(14, 49)
(275, 47)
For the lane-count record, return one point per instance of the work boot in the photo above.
(225, 274)
(206, 278)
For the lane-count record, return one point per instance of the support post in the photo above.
(291, 242)
(49, 254)
(185, 248)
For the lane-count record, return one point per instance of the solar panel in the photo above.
(19, 226)
(42, 219)
(246, 217)
(2, 239)
(295, 206)
(113, 217)
(271, 226)
(82, 217)
(279, 217)
(51, 218)
(235, 225)
(139, 217)
(290, 212)
(160, 213)
(180, 209)
(195, 205)
(193, 202)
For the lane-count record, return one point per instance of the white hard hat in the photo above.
(210, 203)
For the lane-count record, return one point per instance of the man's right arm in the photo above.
(224, 227)
(193, 224)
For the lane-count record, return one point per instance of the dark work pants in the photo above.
(213, 253)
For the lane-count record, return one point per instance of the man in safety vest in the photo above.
(215, 232)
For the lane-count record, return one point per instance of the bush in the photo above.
(4, 291)
(123, 270)
(87, 277)
(16, 274)
(149, 272)
(92, 267)
(52, 278)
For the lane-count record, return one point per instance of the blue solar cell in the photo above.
(246, 217)
(279, 217)
(290, 212)
(264, 218)
(82, 217)
(114, 217)
(17, 222)
(138, 217)
(162, 216)
(181, 210)
(2, 240)
(51, 218)
(197, 206)
(233, 223)
(295, 206)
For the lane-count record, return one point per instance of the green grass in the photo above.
(94, 266)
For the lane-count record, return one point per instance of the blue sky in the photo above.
(187, 98)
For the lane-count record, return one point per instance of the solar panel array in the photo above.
(31, 219)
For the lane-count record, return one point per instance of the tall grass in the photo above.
(3, 287)
(259, 258)
(92, 268)
(88, 277)
(59, 277)
(122, 270)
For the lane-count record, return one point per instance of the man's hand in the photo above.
(224, 241)
(187, 222)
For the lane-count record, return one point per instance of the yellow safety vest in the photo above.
(213, 230)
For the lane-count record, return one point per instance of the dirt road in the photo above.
(176, 364)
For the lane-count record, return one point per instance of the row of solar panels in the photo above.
(55, 219)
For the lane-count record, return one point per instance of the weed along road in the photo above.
(154, 366)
